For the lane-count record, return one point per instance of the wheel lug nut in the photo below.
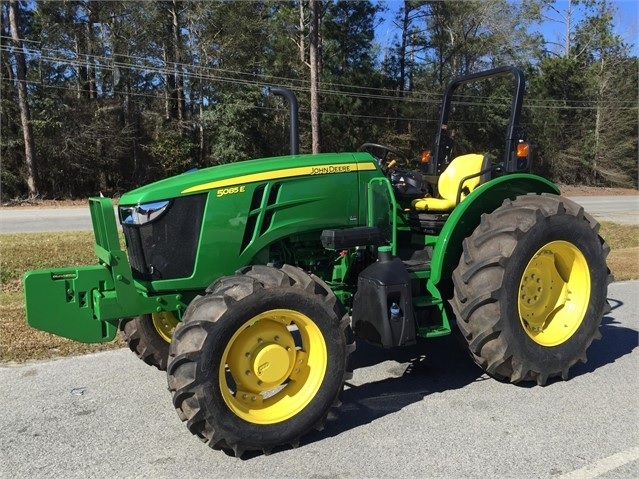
(248, 373)
(277, 338)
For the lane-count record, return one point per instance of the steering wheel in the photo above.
(384, 161)
(407, 183)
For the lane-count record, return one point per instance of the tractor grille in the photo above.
(166, 248)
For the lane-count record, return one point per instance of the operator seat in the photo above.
(462, 176)
(459, 179)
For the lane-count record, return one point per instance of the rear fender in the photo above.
(467, 215)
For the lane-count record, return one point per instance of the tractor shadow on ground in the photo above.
(412, 373)
(441, 365)
(616, 341)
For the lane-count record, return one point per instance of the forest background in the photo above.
(103, 96)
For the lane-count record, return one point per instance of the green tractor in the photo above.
(250, 282)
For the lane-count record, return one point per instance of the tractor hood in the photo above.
(183, 232)
(247, 172)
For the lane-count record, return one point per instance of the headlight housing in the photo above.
(142, 214)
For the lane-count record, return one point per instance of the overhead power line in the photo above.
(215, 74)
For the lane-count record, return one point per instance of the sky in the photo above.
(553, 29)
(626, 23)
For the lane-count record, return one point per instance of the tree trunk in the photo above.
(25, 116)
(93, 18)
(402, 49)
(314, 61)
(174, 94)
(201, 130)
(169, 86)
(568, 28)
(302, 46)
(601, 92)
(177, 66)
(82, 72)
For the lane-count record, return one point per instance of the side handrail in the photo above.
(460, 190)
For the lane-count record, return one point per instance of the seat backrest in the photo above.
(462, 166)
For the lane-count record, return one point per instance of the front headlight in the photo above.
(142, 214)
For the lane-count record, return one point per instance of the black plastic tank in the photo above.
(382, 306)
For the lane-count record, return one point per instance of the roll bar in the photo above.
(514, 132)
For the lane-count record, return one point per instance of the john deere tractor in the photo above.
(250, 282)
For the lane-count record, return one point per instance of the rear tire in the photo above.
(530, 288)
(259, 360)
(148, 336)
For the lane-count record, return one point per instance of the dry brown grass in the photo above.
(20, 253)
(623, 259)
(24, 252)
(19, 342)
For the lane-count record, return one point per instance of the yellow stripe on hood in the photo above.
(285, 173)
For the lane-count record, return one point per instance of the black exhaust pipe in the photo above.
(293, 112)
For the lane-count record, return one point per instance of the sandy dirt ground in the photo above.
(570, 190)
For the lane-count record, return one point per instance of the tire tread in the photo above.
(486, 255)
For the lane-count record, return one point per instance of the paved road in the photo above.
(411, 415)
(620, 209)
(37, 220)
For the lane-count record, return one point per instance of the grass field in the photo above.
(23, 252)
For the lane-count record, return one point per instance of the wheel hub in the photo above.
(262, 357)
(540, 290)
(554, 293)
(164, 323)
(271, 364)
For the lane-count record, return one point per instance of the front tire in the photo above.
(530, 288)
(259, 360)
(149, 335)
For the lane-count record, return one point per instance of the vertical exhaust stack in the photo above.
(293, 112)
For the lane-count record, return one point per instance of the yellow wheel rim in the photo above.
(273, 366)
(554, 293)
(164, 323)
